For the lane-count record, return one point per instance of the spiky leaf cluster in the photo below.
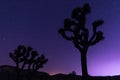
(78, 32)
(39, 62)
(20, 55)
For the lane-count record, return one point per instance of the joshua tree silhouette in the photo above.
(39, 62)
(26, 56)
(79, 33)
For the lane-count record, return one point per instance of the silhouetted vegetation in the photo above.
(23, 56)
(75, 30)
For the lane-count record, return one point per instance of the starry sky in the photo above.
(35, 23)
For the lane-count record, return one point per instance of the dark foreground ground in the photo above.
(45, 76)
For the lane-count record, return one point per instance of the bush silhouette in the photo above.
(23, 56)
(76, 31)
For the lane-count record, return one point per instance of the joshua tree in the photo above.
(80, 35)
(26, 56)
(39, 62)
(20, 56)
(17, 57)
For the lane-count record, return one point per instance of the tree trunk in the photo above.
(84, 65)
(23, 66)
(18, 72)
(29, 72)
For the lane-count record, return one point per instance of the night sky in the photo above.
(35, 23)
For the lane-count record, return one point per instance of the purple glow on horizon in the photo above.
(108, 69)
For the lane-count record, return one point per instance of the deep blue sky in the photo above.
(35, 23)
